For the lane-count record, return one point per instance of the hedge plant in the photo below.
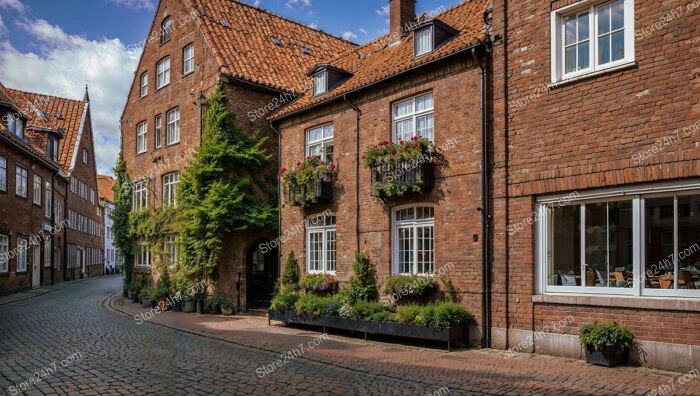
(597, 335)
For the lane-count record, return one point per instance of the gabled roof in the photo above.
(379, 60)
(241, 37)
(105, 187)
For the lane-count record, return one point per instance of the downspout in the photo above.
(279, 192)
(53, 226)
(66, 230)
(485, 218)
(357, 171)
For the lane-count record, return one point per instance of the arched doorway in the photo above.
(262, 271)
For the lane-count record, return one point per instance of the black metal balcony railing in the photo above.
(397, 180)
(322, 191)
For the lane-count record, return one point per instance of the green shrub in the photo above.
(399, 286)
(226, 303)
(364, 310)
(289, 282)
(362, 285)
(145, 292)
(134, 287)
(215, 302)
(407, 313)
(450, 292)
(311, 304)
(597, 335)
(319, 283)
(440, 314)
(284, 302)
(382, 316)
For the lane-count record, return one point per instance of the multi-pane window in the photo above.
(171, 250)
(140, 195)
(414, 118)
(165, 29)
(629, 243)
(424, 41)
(36, 191)
(14, 124)
(58, 211)
(4, 251)
(319, 142)
(3, 174)
(143, 256)
(21, 177)
(414, 240)
(92, 196)
(170, 183)
(141, 144)
(22, 246)
(47, 252)
(596, 37)
(144, 84)
(320, 83)
(163, 73)
(47, 199)
(173, 133)
(188, 59)
(158, 131)
(86, 156)
(320, 244)
(52, 148)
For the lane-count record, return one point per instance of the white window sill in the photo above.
(592, 74)
(655, 303)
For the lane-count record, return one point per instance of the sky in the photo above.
(55, 47)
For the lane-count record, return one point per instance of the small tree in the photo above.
(289, 282)
(120, 217)
(362, 285)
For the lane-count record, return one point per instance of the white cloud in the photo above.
(63, 64)
(3, 28)
(363, 31)
(349, 35)
(13, 5)
(133, 4)
(257, 3)
(313, 26)
(383, 11)
(301, 3)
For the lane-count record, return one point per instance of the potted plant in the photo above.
(319, 284)
(162, 291)
(215, 305)
(134, 291)
(187, 302)
(146, 297)
(606, 344)
(400, 169)
(410, 288)
(227, 307)
(309, 182)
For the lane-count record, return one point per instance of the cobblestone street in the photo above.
(87, 348)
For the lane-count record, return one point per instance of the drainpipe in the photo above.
(53, 226)
(485, 217)
(357, 171)
(66, 230)
(279, 192)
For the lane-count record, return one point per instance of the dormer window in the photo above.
(430, 35)
(165, 30)
(321, 82)
(424, 41)
(14, 124)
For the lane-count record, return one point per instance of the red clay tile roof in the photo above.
(105, 185)
(56, 113)
(376, 60)
(245, 48)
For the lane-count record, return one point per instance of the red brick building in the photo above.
(595, 173)
(42, 136)
(261, 60)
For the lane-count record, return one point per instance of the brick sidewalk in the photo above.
(470, 370)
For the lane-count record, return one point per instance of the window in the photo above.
(21, 182)
(171, 250)
(414, 118)
(4, 252)
(414, 240)
(144, 84)
(22, 247)
(92, 196)
(3, 174)
(170, 189)
(143, 256)
(173, 133)
(15, 124)
(321, 83)
(73, 185)
(188, 59)
(36, 192)
(597, 37)
(58, 211)
(424, 41)
(52, 148)
(140, 198)
(141, 144)
(319, 143)
(83, 190)
(47, 252)
(628, 243)
(159, 128)
(163, 70)
(320, 244)
(165, 29)
(47, 199)
(86, 155)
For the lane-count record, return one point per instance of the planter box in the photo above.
(610, 355)
(407, 174)
(323, 192)
(146, 302)
(227, 311)
(134, 297)
(188, 306)
(445, 334)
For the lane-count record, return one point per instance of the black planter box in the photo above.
(609, 355)
(445, 334)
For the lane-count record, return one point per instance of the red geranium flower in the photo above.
(298, 163)
(392, 152)
(332, 167)
(282, 171)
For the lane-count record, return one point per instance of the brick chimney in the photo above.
(402, 12)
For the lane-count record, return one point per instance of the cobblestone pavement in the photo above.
(85, 347)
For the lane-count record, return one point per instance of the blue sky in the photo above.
(56, 46)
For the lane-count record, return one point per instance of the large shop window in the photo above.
(414, 240)
(637, 242)
(320, 244)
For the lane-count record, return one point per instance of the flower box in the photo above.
(321, 191)
(609, 355)
(400, 169)
(309, 182)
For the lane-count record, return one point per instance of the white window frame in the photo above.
(163, 73)
(430, 31)
(158, 138)
(170, 183)
(141, 137)
(171, 249)
(52, 148)
(413, 224)
(321, 82)
(188, 60)
(637, 194)
(21, 181)
(4, 254)
(3, 174)
(144, 84)
(86, 156)
(558, 31)
(36, 190)
(326, 139)
(166, 30)
(22, 247)
(142, 258)
(47, 199)
(140, 195)
(325, 226)
(414, 115)
(173, 127)
(92, 196)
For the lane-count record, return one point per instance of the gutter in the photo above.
(357, 171)
(279, 191)
(255, 85)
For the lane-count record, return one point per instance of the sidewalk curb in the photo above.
(49, 289)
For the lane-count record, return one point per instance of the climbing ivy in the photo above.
(120, 216)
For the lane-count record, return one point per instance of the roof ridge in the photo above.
(45, 95)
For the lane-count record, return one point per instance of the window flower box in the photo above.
(400, 169)
(309, 182)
